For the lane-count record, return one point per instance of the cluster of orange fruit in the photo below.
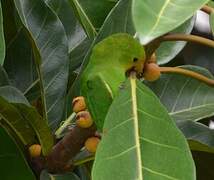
(84, 120)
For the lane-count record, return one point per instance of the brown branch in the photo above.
(189, 38)
(67, 148)
(189, 73)
(207, 9)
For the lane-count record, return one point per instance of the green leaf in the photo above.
(119, 20)
(78, 54)
(168, 50)
(2, 42)
(13, 95)
(74, 31)
(198, 55)
(65, 176)
(84, 19)
(19, 62)
(23, 119)
(3, 77)
(212, 22)
(200, 137)
(77, 39)
(184, 97)
(155, 19)
(97, 10)
(140, 140)
(39, 126)
(50, 48)
(12, 162)
(11, 118)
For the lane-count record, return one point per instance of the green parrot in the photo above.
(110, 60)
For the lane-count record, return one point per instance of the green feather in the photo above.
(106, 71)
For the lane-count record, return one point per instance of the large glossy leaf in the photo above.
(155, 19)
(84, 19)
(13, 95)
(168, 50)
(77, 38)
(23, 120)
(19, 62)
(199, 55)
(12, 162)
(140, 140)
(77, 54)
(74, 31)
(212, 22)
(119, 20)
(3, 77)
(50, 49)
(199, 136)
(11, 118)
(2, 43)
(66, 176)
(39, 126)
(97, 10)
(184, 97)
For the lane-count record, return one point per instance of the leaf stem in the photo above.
(207, 9)
(66, 123)
(83, 161)
(189, 73)
(189, 38)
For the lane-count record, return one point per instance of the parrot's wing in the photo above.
(99, 97)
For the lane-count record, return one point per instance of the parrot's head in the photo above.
(135, 64)
(134, 58)
(128, 51)
(121, 51)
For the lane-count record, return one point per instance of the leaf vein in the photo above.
(158, 173)
(160, 144)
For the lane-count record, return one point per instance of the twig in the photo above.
(189, 73)
(190, 38)
(67, 122)
(207, 9)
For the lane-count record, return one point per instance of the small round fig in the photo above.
(151, 72)
(83, 119)
(91, 144)
(78, 104)
(35, 150)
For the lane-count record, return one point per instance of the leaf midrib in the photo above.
(136, 126)
(159, 16)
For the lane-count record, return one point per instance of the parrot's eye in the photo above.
(135, 59)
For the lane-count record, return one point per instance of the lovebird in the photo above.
(110, 62)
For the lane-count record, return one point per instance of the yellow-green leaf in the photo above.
(141, 141)
(153, 19)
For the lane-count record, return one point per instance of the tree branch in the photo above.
(189, 38)
(207, 9)
(189, 73)
(67, 148)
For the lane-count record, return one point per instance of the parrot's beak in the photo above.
(138, 67)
